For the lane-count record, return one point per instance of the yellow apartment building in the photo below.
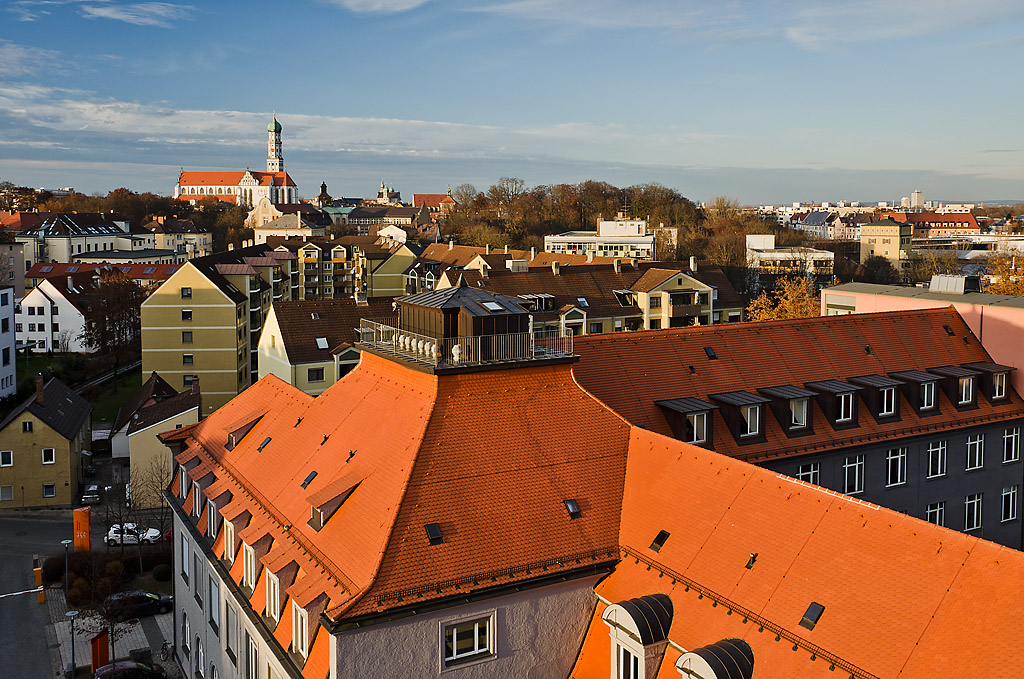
(887, 238)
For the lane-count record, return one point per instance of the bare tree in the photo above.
(113, 318)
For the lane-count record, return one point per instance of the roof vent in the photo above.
(812, 615)
(263, 445)
(692, 370)
(434, 533)
(751, 560)
(326, 436)
(967, 340)
(711, 353)
(867, 349)
(297, 422)
(309, 479)
(351, 454)
(659, 540)
(573, 508)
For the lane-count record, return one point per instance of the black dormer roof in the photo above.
(652, 615)
(473, 301)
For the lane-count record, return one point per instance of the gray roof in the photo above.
(982, 298)
(62, 409)
(126, 255)
(464, 297)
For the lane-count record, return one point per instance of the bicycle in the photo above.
(165, 650)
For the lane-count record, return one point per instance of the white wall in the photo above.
(68, 318)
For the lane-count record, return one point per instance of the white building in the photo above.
(8, 373)
(51, 316)
(620, 237)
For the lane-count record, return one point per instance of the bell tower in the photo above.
(275, 163)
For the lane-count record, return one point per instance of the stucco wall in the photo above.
(538, 634)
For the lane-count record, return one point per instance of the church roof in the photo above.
(201, 178)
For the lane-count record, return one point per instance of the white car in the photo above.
(132, 534)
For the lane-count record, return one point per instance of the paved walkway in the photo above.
(148, 632)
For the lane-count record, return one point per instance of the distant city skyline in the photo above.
(739, 99)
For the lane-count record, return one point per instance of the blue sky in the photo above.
(772, 101)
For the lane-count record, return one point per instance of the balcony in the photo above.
(684, 310)
(458, 352)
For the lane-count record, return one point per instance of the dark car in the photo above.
(136, 603)
(129, 669)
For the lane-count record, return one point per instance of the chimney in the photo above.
(506, 249)
(160, 219)
(693, 264)
(451, 244)
(487, 249)
(298, 220)
(590, 256)
(618, 265)
(634, 263)
(195, 384)
(71, 283)
(533, 253)
(39, 389)
(555, 268)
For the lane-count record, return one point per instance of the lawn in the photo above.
(104, 407)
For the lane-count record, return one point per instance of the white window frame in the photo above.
(231, 632)
(229, 542)
(999, 385)
(479, 653)
(211, 520)
(197, 503)
(1009, 502)
(214, 595)
(845, 402)
(937, 452)
(798, 408)
(810, 473)
(53, 490)
(185, 559)
(300, 630)
(628, 664)
(936, 513)
(6, 493)
(927, 395)
(252, 657)
(966, 389)
(751, 419)
(896, 461)
(975, 452)
(1011, 445)
(53, 455)
(10, 458)
(887, 402)
(692, 419)
(972, 511)
(248, 566)
(273, 607)
(853, 485)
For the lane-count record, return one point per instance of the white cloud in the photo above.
(18, 60)
(378, 6)
(161, 14)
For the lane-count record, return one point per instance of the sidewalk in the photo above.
(148, 632)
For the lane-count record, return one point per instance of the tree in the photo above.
(1004, 276)
(878, 269)
(464, 195)
(504, 195)
(791, 298)
(113, 319)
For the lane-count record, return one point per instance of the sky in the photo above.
(773, 101)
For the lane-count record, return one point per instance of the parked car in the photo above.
(129, 669)
(91, 495)
(136, 603)
(132, 534)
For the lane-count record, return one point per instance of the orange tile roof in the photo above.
(232, 178)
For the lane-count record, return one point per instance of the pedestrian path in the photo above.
(144, 633)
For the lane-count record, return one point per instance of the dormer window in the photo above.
(798, 413)
(888, 402)
(965, 388)
(792, 408)
(845, 407)
(248, 566)
(999, 385)
(991, 380)
(744, 413)
(689, 418)
(697, 427)
(300, 630)
(273, 592)
(751, 420)
(927, 395)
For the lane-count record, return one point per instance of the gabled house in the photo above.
(154, 390)
(52, 315)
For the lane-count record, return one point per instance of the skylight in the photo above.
(71, 269)
(573, 508)
(812, 615)
(46, 269)
(582, 301)
(264, 444)
(659, 540)
(434, 533)
(710, 352)
(149, 269)
(949, 330)
(315, 316)
(491, 306)
(309, 479)
(321, 342)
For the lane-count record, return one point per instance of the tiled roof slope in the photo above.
(153, 390)
(450, 456)
(902, 598)
(62, 409)
(163, 410)
(630, 371)
(337, 322)
(134, 271)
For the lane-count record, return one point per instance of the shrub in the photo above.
(53, 569)
(163, 572)
(154, 556)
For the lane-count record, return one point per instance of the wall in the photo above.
(68, 318)
(538, 633)
(8, 358)
(150, 457)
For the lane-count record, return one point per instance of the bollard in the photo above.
(39, 583)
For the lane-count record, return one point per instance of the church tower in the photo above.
(275, 163)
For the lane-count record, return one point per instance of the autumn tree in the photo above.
(791, 298)
(112, 319)
(933, 262)
(1004, 276)
(878, 269)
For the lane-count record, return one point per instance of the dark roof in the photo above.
(832, 386)
(877, 381)
(208, 265)
(163, 410)
(739, 398)
(175, 226)
(62, 409)
(989, 367)
(954, 371)
(155, 388)
(686, 405)
(729, 658)
(336, 321)
(787, 391)
(914, 376)
(472, 300)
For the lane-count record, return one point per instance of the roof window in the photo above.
(309, 479)
(949, 330)
(491, 306)
(710, 352)
(812, 615)
(263, 445)
(573, 508)
(434, 533)
(321, 342)
(315, 316)
(582, 301)
(659, 540)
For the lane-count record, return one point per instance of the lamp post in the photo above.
(67, 546)
(74, 666)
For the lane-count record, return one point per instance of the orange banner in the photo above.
(83, 537)
(99, 649)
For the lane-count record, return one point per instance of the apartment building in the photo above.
(205, 320)
(623, 237)
(770, 263)
(64, 237)
(8, 364)
(887, 238)
(469, 543)
(181, 235)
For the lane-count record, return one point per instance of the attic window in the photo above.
(149, 269)
(710, 352)
(309, 479)
(434, 533)
(583, 302)
(949, 330)
(321, 342)
(659, 540)
(491, 306)
(46, 269)
(812, 615)
(71, 269)
(264, 444)
(573, 508)
(315, 316)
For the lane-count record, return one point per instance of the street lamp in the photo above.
(67, 546)
(74, 666)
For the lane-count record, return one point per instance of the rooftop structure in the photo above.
(620, 237)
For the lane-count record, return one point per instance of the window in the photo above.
(186, 632)
(1009, 503)
(936, 459)
(49, 490)
(596, 328)
(853, 475)
(186, 293)
(229, 541)
(972, 512)
(975, 451)
(186, 337)
(187, 359)
(6, 493)
(300, 630)
(184, 558)
(936, 513)
(927, 396)
(810, 472)
(999, 385)
(627, 663)
(186, 314)
(466, 641)
(26, 427)
(751, 420)
(55, 327)
(966, 390)
(697, 423)
(6, 458)
(798, 413)
(655, 302)
(845, 407)
(249, 566)
(252, 658)
(888, 404)
(49, 456)
(214, 593)
(315, 374)
(896, 467)
(1011, 445)
(187, 380)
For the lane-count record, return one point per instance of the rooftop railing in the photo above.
(451, 352)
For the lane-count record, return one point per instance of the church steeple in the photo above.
(275, 161)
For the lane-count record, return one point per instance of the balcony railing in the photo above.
(451, 352)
